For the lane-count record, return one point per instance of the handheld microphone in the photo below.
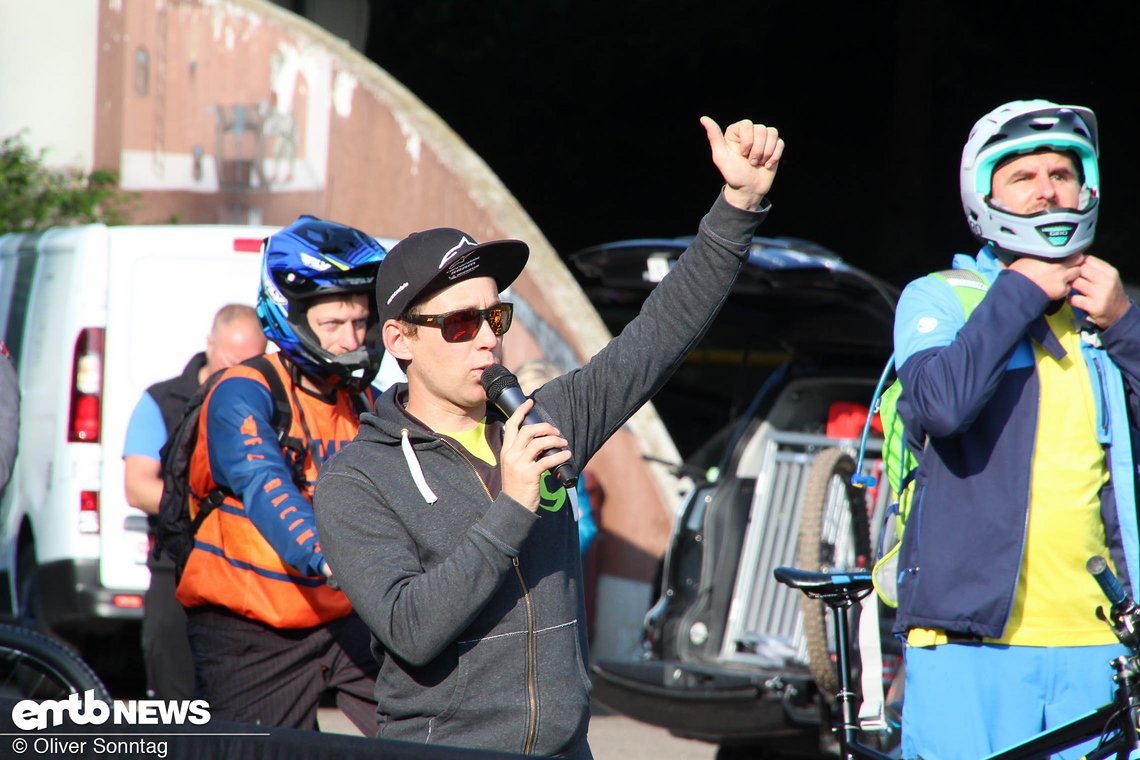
(503, 391)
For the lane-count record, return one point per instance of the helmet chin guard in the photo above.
(1019, 128)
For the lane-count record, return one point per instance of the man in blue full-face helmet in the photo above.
(269, 629)
(1021, 409)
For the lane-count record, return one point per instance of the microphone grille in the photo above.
(497, 379)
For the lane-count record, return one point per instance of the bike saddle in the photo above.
(838, 584)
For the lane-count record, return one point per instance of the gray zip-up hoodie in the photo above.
(475, 603)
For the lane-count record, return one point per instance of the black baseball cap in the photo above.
(429, 261)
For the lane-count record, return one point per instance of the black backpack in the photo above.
(174, 529)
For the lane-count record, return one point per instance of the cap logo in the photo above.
(395, 293)
(453, 252)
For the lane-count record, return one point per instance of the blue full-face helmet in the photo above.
(309, 259)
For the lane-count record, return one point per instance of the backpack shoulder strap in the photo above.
(969, 286)
(965, 278)
(365, 401)
(294, 448)
(282, 408)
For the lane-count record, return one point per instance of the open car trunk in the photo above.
(787, 369)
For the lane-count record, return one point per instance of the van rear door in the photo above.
(165, 284)
(61, 286)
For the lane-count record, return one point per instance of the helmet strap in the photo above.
(325, 390)
(1005, 257)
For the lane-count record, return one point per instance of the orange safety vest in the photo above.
(232, 565)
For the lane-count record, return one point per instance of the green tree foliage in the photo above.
(35, 197)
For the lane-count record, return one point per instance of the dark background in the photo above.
(588, 111)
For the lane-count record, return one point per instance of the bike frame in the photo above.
(1115, 722)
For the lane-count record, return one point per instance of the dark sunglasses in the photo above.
(463, 325)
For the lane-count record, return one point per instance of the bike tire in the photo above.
(36, 666)
(834, 534)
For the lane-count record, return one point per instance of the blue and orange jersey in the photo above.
(258, 553)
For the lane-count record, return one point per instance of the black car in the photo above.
(767, 412)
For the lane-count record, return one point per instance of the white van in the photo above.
(93, 316)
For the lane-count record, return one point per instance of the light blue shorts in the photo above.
(966, 701)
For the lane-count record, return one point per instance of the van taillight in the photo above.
(127, 601)
(88, 511)
(86, 387)
(247, 245)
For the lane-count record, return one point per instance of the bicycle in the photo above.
(34, 665)
(1115, 723)
(838, 590)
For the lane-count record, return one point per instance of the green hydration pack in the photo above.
(900, 462)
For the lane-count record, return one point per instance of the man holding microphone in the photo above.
(432, 518)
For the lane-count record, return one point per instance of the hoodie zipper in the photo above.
(532, 696)
(531, 687)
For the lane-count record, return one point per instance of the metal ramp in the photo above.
(764, 616)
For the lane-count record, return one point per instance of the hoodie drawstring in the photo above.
(414, 468)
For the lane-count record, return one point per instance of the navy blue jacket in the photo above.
(971, 391)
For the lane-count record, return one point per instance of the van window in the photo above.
(15, 292)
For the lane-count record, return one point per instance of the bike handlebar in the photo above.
(1108, 583)
(1124, 614)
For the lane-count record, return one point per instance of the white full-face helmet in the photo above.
(1018, 128)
